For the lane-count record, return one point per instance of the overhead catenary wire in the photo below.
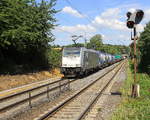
(84, 16)
(65, 31)
(79, 13)
(89, 19)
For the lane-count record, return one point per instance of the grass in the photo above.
(12, 81)
(131, 108)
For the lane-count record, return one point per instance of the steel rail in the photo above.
(54, 110)
(35, 96)
(31, 89)
(83, 114)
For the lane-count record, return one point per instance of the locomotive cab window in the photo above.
(71, 52)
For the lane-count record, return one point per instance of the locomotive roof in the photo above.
(83, 48)
(70, 48)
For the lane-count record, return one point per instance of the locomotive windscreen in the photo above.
(71, 52)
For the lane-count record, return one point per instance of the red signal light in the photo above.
(130, 24)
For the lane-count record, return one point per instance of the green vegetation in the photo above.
(115, 49)
(97, 44)
(144, 46)
(25, 34)
(139, 108)
(54, 57)
(76, 45)
(131, 108)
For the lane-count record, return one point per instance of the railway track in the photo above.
(77, 106)
(28, 95)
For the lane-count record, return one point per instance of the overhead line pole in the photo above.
(75, 37)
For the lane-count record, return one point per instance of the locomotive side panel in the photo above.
(91, 60)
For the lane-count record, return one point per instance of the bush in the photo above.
(144, 46)
(54, 58)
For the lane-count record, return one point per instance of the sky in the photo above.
(91, 17)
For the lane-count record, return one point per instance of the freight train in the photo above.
(79, 61)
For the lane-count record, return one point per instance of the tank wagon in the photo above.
(102, 60)
(118, 58)
(78, 61)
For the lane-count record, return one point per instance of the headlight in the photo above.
(77, 65)
(64, 65)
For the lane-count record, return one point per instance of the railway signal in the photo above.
(132, 20)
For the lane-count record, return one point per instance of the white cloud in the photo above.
(140, 27)
(78, 28)
(147, 12)
(147, 15)
(117, 39)
(111, 13)
(103, 36)
(110, 19)
(131, 10)
(72, 11)
(111, 24)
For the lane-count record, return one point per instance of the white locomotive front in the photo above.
(78, 61)
(71, 57)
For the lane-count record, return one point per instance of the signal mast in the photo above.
(133, 19)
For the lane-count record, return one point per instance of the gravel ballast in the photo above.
(37, 108)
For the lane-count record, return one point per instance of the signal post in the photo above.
(135, 86)
(134, 19)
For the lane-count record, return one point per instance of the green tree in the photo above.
(144, 46)
(95, 42)
(75, 45)
(24, 22)
(26, 30)
(54, 57)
